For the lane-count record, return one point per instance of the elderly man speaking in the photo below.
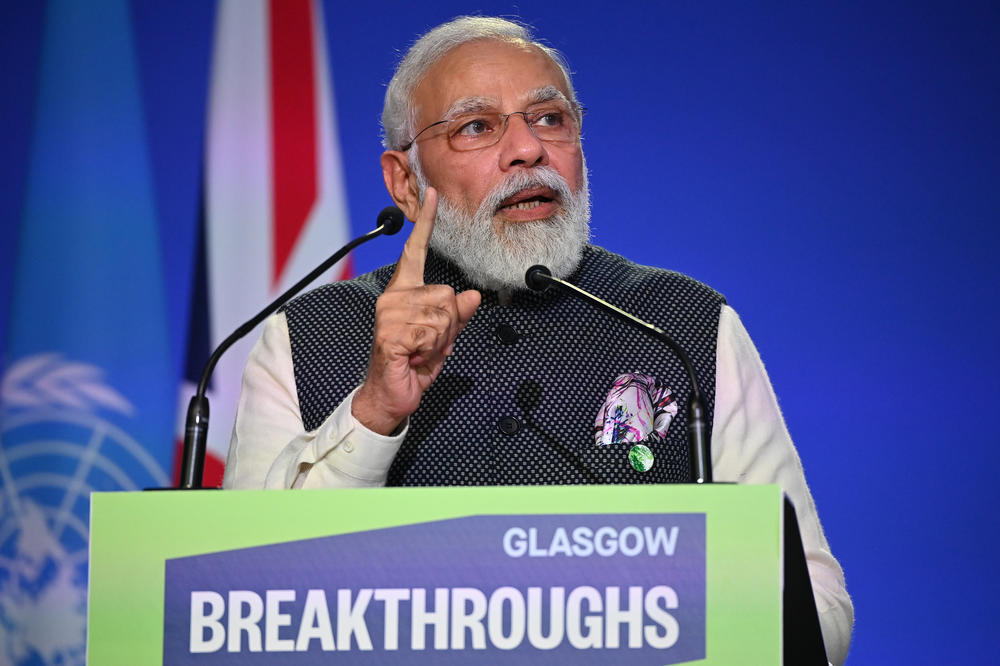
(445, 370)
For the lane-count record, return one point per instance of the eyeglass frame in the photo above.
(575, 107)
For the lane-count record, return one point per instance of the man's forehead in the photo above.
(489, 75)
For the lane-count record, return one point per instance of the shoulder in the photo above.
(607, 272)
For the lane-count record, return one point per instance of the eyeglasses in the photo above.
(552, 121)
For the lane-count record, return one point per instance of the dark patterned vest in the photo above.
(516, 401)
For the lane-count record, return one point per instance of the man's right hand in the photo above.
(415, 329)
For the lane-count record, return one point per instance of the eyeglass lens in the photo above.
(481, 129)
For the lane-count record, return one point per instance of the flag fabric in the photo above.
(274, 202)
(87, 391)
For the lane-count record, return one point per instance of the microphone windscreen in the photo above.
(535, 276)
(390, 219)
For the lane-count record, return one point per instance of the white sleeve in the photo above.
(750, 444)
(270, 448)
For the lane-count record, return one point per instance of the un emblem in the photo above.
(59, 443)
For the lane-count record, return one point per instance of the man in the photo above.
(445, 370)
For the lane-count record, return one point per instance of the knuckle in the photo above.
(432, 312)
(417, 335)
(439, 293)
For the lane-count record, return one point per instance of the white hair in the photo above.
(398, 112)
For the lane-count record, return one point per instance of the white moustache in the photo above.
(519, 181)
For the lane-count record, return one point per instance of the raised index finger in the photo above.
(410, 269)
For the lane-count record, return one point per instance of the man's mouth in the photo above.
(528, 199)
(526, 205)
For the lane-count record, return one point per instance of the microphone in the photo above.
(389, 221)
(539, 278)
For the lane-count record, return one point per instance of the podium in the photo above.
(498, 575)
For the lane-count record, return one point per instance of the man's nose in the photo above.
(519, 146)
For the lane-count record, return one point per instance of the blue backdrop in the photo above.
(832, 168)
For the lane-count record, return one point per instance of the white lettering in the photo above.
(513, 542)
(671, 630)
(583, 544)
(391, 597)
(557, 612)
(533, 549)
(274, 620)
(315, 623)
(655, 539)
(463, 618)
(239, 623)
(615, 616)
(501, 596)
(420, 617)
(577, 638)
(351, 619)
(200, 621)
(582, 541)
(560, 544)
(623, 537)
(606, 541)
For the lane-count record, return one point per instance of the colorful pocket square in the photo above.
(636, 407)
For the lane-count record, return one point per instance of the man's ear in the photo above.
(401, 182)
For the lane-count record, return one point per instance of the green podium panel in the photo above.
(518, 575)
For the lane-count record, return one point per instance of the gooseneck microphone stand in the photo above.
(539, 278)
(390, 221)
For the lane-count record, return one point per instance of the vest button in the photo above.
(508, 425)
(506, 334)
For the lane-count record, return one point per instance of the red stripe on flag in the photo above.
(347, 270)
(293, 121)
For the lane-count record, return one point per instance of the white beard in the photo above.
(497, 259)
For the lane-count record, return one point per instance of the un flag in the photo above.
(88, 391)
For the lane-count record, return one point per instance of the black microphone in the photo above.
(539, 278)
(390, 221)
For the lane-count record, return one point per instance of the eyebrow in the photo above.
(470, 105)
(546, 94)
(465, 105)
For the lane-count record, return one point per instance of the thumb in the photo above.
(467, 303)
